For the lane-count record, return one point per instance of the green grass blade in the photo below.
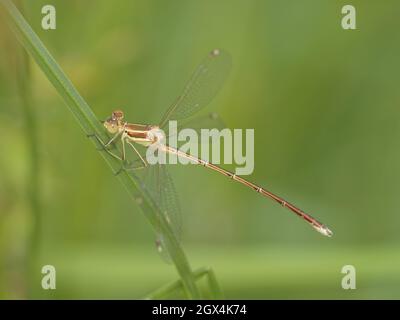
(32, 180)
(90, 125)
(215, 289)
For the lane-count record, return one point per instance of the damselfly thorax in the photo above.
(143, 134)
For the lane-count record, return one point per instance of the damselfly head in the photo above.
(117, 115)
(111, 125)
(114, 123)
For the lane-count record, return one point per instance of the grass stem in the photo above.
(91, 125)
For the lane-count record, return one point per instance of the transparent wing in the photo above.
(156, 180)
(209, 121)
(202, 87)
(162, 189)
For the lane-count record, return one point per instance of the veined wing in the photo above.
(197, 124)
(202, 87)
(162, 189)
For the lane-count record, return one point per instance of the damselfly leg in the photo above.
(126, 165)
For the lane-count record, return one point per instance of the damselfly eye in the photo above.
(118, 115)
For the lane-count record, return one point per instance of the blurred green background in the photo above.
(324, 105)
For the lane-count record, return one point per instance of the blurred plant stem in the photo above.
(165, 291)
(91, 126)
(32, 179)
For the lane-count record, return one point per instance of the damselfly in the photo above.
(199, 91)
